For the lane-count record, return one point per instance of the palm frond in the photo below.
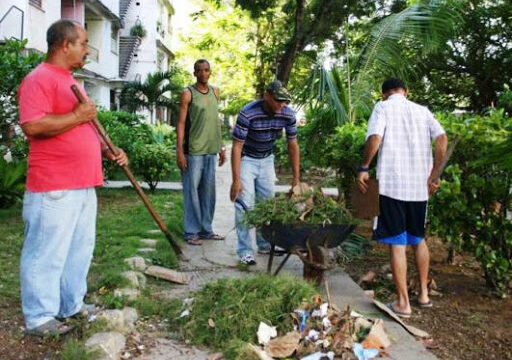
(429, 23)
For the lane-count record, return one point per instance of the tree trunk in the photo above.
(296, 44)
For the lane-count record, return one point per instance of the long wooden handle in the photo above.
(115, 150)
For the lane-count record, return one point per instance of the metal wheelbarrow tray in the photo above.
(303, 238)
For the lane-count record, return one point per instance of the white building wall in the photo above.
(99, 32)
(36, 21)
(147, 14)
(113, 5)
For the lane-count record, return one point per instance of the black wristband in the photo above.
(362, 169)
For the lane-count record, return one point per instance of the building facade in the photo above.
(115, 56)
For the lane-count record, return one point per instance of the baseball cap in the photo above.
(278, 91)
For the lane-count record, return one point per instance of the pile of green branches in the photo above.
(225, 314)
(309, 208)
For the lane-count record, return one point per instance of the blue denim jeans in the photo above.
(59, 241)
(199, 195)
(258, 177)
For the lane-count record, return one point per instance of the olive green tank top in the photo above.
(203, 127)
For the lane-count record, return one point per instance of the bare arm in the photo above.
(52, 125)
(236, 156)
(186, 98)
(294, 155)
(440, 154)
(371, 149)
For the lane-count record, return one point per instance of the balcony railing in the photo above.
(94, 54)
(38, 3)
(10, 22)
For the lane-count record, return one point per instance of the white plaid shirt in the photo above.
(405, 154)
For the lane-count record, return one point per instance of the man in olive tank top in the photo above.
(198, 143)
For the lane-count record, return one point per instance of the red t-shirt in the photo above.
(71, 160)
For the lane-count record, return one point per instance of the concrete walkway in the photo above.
(215, 259)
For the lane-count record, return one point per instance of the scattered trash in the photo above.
(188, 301)
(265, 333)
(211, 323)
(259, 352)
(303, 319)
(185, 313)
(368, 277)
(312, 335)
(377, 337)
(370, 293)
(323, 332)
(364, 354)
(319, 355)
(283, 346)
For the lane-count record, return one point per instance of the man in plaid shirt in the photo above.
(402, 132)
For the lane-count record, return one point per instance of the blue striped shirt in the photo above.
(258, 130)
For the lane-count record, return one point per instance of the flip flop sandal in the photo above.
(194, 241)
(398, 313)
(214, 237)
(51, 328)
(426, 305)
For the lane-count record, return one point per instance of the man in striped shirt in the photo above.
(259, 124)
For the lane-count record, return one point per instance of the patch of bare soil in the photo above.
(467, 321)
(15, 345)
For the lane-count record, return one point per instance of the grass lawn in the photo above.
(122, 222)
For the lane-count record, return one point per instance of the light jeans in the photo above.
(199, 195)
(59, 241)
(258, 177)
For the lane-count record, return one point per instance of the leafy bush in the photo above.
(15, 63)
(327, 145)
(152, 162)
(344, 152)
(12, 182)
(470, 209)
(281, 151)
(126, 131)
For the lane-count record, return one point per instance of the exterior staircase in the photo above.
(124, 5)
(127, 47)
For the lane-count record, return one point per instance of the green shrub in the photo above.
(126, 131)
(324, 144)
(152, 162)
(470, 209)
(12, 182)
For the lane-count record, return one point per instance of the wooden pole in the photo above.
(130, 177)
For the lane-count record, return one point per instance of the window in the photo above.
(37, 3)
(114, 31)
(160, 62)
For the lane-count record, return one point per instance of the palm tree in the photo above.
(154, 92)
(348, 91)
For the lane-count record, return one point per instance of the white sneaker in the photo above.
(248, 260)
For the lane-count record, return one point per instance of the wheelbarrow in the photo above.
(308, 241)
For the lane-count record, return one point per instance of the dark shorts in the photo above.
(400, 222)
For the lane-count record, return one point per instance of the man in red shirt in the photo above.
(64, 167)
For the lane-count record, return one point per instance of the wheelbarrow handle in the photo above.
(242, 204)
